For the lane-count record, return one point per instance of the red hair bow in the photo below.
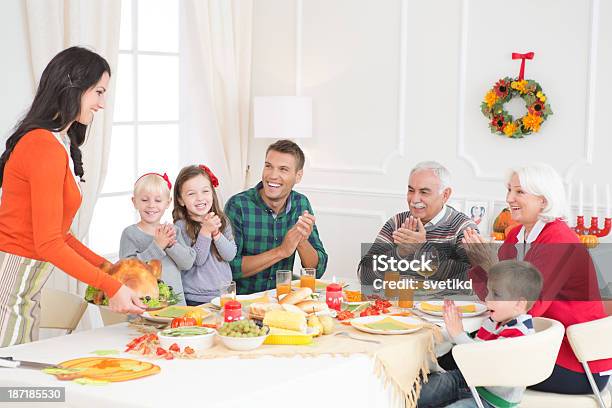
(164, 176)
(213, 179)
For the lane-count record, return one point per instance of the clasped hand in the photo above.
(165, 235)
(479, 251)
(452, 319)
(299, 232)
(409, 236)
(211, 224)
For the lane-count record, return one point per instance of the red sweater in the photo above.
(568, 273)
(39, 201)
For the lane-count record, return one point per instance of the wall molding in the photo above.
(375, 193)
(589, 138)
(353, 212)
(399, 150)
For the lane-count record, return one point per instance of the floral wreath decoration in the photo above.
(501, 122)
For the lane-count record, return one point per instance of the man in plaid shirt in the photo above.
(271, 221)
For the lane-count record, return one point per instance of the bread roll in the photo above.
(292, 309)
(311, 306)
(296, 296)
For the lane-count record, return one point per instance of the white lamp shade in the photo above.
(282, 117)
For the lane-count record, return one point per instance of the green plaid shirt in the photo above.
(256, 231)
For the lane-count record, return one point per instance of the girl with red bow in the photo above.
(199, 218)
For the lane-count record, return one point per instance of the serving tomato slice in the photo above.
(345, 315)
(370, 311)
(183, 322)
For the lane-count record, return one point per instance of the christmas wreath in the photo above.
(501, 122)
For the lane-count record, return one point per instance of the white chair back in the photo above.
(60, 310)
(109, 317)
(520, 361)
(591, 340)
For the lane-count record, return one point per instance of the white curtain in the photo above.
(215, 87)
(53, 25)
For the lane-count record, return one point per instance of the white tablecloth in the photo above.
(263, 382)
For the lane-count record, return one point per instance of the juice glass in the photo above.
(308, 278)
(406, 297)
(283, 282)
(391, 276)
(227, 293)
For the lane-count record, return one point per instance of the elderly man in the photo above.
(429, 223)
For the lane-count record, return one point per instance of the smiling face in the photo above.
(279, 175)
(151, 205)
(93, 100)
(524, 207)
(424, 197)
(196, 196)
(502, 306)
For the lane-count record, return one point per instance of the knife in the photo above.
(9, 362)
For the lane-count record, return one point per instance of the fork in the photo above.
(350, 336)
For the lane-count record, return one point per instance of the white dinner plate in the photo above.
(360, 322)
(480, 308)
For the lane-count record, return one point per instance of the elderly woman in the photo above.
(536, 198)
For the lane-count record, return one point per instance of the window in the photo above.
(145, 122)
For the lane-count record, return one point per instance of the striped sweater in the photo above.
(522, 325)
(445, 236)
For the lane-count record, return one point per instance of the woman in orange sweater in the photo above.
(40, 173)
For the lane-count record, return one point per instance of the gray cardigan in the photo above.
(135, 243)
(202, 282)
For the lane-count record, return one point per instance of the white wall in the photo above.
(14, 79)
(395, 82)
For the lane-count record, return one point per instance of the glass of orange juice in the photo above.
(227, 293)
(391, 276)
(283, 282)
(406, 297)
(308, 278)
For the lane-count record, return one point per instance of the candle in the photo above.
(594, 201)
(580, 191)
(607, 201)
(569, 201)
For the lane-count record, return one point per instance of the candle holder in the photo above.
(593, 229)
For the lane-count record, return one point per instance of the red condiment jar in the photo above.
(333, 296)
(232, 311)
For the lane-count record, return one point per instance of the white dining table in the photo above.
(232, 382)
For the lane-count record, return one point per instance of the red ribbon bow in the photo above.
(213, 179)
(164, 176)
(523, 57)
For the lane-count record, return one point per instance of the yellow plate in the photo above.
(291, 339)
(111, 369)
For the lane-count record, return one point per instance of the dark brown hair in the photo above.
(289, 147)
(180, 212)
(58, 101)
